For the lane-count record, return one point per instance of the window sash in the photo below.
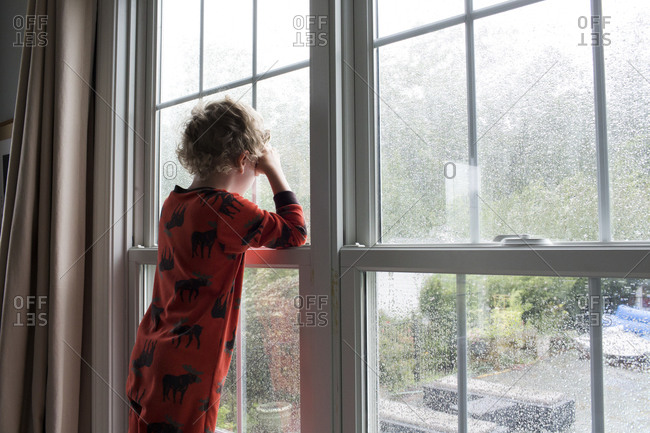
(360, 388)
(358, 300)
(469, 17)
(155, 106)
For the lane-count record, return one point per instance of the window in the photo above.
(503, 259)
(438, 135)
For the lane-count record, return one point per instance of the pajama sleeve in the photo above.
(280, 229)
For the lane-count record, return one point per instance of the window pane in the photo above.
(171, 122)
(272, 371)
(227, 416)
(527, 351)
(283, 101)
(626, 352)
(179, 48)
(416, 345)
(528, 345)
(283, 35)
(422, 107)
(627, 68)
(228, 42)
(398, 15)
(536, 144)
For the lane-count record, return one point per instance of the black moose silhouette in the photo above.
(155, 315)
(230, 344)
(219, 308)
(193, 331)
(177, 218)
(192, 285)
(227, 202)
(134, 401)
(210, 197)
(256, 228)
(203, 239)
(179, 383)
(170, 426)
(167, 260)
(146, 357)
(205, 404)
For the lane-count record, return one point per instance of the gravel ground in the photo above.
(627, 391)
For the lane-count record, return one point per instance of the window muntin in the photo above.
(535, 141)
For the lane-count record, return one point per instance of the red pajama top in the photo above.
(185, 340)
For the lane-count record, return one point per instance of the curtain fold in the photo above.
(45, 368)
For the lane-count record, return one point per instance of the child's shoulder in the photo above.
(222, 201)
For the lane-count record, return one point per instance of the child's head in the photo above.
(217, 133)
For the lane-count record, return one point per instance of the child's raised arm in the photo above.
(256, 227)
(269, 165)
(280, 229)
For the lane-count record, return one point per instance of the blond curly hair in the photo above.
(217, 133)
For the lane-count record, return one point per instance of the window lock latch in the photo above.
(523, 239)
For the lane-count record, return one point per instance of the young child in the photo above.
(185, 340)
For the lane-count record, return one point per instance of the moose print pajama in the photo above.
(185, 340)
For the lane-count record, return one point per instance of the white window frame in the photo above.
(595, 260)
(359, 300)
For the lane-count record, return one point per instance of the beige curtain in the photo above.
(45, 244)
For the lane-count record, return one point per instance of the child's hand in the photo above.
(269, 162)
